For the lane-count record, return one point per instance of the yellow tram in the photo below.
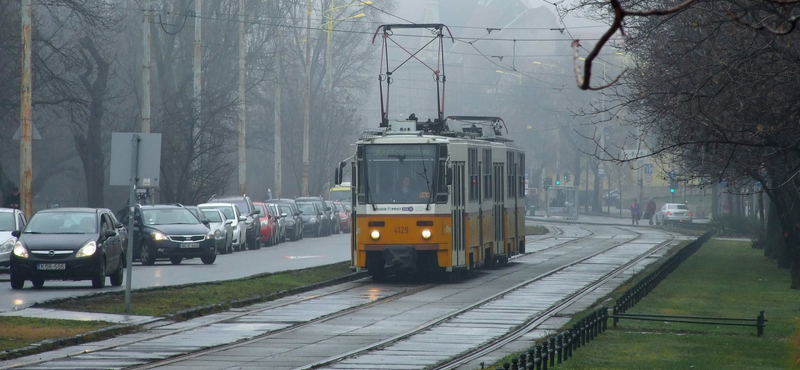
(431, 199)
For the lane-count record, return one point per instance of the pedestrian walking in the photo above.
(651, 210)
(635, 212)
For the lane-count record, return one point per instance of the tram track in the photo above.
(393, 294)
(530, 324)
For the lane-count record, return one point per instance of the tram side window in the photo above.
(521, 181)
(512, 174)
(474, 175)
(487, 174)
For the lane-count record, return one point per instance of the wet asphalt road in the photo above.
(300, 254)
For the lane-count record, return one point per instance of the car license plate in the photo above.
(52, 266)
(190, 245)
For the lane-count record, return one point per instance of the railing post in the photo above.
(523, 360)
(514, 363)
(545, 354)
(539, 357)
(551, 354)
(532, 356)
(605, 319)
(560, 346)
(760, 324)
(506, 365)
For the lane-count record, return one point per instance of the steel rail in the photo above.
(433, 323)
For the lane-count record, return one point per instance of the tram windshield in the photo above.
(403, 174)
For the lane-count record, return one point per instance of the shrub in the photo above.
(736, 226)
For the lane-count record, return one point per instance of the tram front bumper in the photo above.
(400, 258)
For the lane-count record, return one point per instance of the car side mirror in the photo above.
(119, 225)
(109, 233)
(205, 222)
(228, 222)
(135, 222)
(242, 218)
(283, 215)
(16, 233)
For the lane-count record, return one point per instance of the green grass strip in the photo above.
(171, 300)
(723, 279)
(18, 332)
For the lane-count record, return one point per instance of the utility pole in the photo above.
(197, 68)
(242, 146)
(307, 110)
(278, 180)
(146, 21)
(25, 166)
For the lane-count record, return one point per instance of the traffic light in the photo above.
(673, 185)
(558, 182)
(566, 176)
(548, 181)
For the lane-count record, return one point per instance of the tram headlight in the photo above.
(426, 234)
(375, 234)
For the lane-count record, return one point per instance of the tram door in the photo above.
(499, 210)
(459, 254)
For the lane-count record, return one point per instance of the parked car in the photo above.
(320, 207)
(247, 209)
(69, 244)
(673, 213)
(238, 225)
(197, 212)
(280, 219)
(333, 217)
(293, 221)
(344, 216)
(11, 219)
(268, 225)
(313, 218)
(168, 231)
(222, 229)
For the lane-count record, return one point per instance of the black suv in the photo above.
(294, 223)
(247, 209)
(170, 231)
(322, 214)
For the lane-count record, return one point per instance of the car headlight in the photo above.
(217, 234)
(8, 245)
(312, 220)
(248, 223)
(87, 250)
(159, 236)
(20, 250)
(375, 234)
(426, 234)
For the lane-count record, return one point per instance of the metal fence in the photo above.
(559, 347)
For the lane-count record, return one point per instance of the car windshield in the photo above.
(7, 221)
(340, 194)
(682, 206)
(241, 204)
(307, 209)
(287, 210)
(212, 216)
(62, 223)
(347, 206)
(168, 216)
(227, 211)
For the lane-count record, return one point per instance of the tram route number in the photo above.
(401, 230)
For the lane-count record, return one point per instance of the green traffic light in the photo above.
(558, 182)
(672, 190)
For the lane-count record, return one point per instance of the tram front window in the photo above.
(401, 174)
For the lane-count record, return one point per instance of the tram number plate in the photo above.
(401, 230)
(52, 266)
(190, 245)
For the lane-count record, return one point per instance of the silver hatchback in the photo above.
(673, 213)
(11, 219)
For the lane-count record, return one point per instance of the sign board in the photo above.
(149, 159)
(600, 169)
(34, 133)
(648, 169)
(672, 174)
(648, 178)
